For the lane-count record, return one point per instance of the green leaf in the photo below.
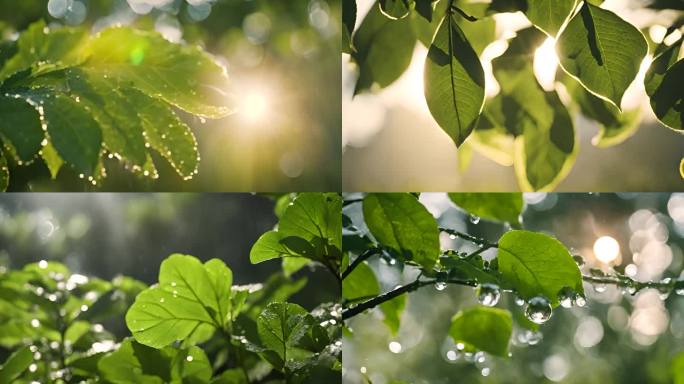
(505, 207)
(662, 82)
(677, 368)
(167, 134)
(73, 132)
(191, 299)
(293, 264)
(395, 9)
(361, 283)
(40, 44)
(392, 310)
(20, 126)
(545, 146)
(549, 15)
(184, 76)
(399, 221)
(602, 51)
(491, 138)
(4, 172)
(314, 216)
(281, 326)
(483, 329)
(122, 131)
(480, 33)
(15, 365)
(535, 264)
(424, 8)
(231, 376)
(348, 23)
(615, 126)
(454, 81)
(384, 49)
(137, 363)
(269, 246)
(52, 159)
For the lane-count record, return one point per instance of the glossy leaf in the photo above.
(184, 76)
(20, 126)
(602, 51)
(483, 329)
(384, 48)
(663, 85)
(454, 81)
(535, 264)
(191, 299)
(281, 326)
(360, 284)
(401, 223)
(505, 207)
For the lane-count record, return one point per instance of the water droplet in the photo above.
(189, 358)
(488, 294)
(538, 309)
(519, 301)
(452, 236)
(533, 338)
(440, 281)
(580, 301)
(600, 288)
(474, 219)
(440, 286)
(579, 260)
(394, 347)
(42, 264)
(566, 296)
(479, 357)
(452, 355)
(161, 300)
(680, 291)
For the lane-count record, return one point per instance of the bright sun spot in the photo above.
(546, 63)
(606, 249)
(255, 106)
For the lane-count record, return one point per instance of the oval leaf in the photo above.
(535, 264)
(505, 207)
(602, 51)
(663, 85)
(454, 81)
(399, 221)
(483, 329)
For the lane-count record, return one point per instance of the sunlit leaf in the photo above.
(395, 9)
(549, 15)
(602, 51)
(483, 329)
(20, 126)
(454, 81)
(281, 326)
(400, 222)
(361, 283)
(662, 82)
(384, 48)
(348, 23)
(505, 207)
(536, 264)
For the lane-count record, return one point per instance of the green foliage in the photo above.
(454, 81)
(310, 228)
(79, 98)
(404, 226)
(678, 368)
(525, 125)
(360, 284)
(193, 326)
(535, 264)
(483, 329)
(504, 207)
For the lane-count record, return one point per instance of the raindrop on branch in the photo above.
(474, 219)
(488, 294)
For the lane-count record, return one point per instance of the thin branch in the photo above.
(628, 282)
(362, 257)
(470, 238)
(352, 201)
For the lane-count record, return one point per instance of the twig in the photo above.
(362, 257)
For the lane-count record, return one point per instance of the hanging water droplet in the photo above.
(579, 260)
(441, 281)
(519, 301)
(565, 297)
(35, 323)
(394, 347)
(580, 301)
(479, 357)
(474, 219)
(452, 236)
(488, 294)
(680, 291)
(538, 309)
(600, 288)
(665, 290)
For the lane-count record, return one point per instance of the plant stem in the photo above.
(470, 238)
(628, 282)
(462, 13)
(362, 257)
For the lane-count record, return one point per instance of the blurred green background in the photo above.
(105, 235)
(281, 57)
(615, 338)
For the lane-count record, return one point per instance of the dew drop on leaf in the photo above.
(474, 219)
(488, 294)
(538, 309)
(519, 301)
(580, 301)
(440, 281)
(565, 297)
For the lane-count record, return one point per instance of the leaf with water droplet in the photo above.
(538, 309)
(536, 264)
(158, 67)
(197, 300)
(400, 222)
(20, 127)
(281, 326)
(483, 329)
(505, 207)
(488, 294)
